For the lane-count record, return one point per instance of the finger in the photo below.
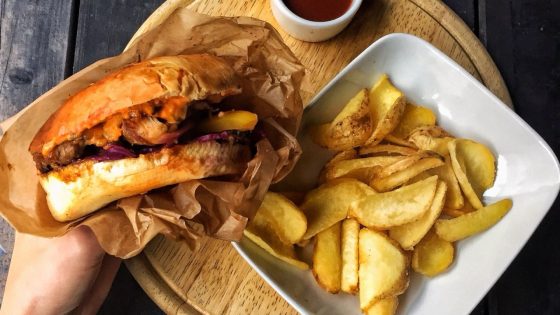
(94, 298)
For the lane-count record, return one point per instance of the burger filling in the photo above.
(149, 127)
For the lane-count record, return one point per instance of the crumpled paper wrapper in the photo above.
(272, 77)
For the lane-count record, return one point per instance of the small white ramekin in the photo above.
(311, 31)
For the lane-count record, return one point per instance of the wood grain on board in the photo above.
(215, 280)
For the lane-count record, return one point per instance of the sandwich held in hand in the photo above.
(151, 124)
(180, 135)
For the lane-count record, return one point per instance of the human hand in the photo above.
(59, 275)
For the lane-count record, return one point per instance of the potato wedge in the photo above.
(432, 138)
(330, 202)
(473, 222)
(408, 235)
(387, 149)
(383, 184)
(432, 255)
(274, 246)
(403, 164)
(404, 205)
(387, 306)
(418, 178)
(475, 168)
(362, 169)
(343, 156)
(459, 212)
(454, 199)
(459, 168)
(387, 105)
(414, 116)
(327, 259)
(383, 268)
(349, 247)
(398, 141)
(350, 128)
(453, 212)
(340, 156)
(480, 164)
(284, 217)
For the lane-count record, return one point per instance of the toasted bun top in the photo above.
(195, 77)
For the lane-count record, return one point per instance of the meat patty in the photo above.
(63, 154)
(146, 130)
(151, 124)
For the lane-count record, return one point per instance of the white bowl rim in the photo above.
(354, 6)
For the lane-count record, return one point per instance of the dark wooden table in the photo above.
(43, 42)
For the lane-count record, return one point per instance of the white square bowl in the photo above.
(527, 172)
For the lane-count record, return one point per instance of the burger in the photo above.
(148, 125)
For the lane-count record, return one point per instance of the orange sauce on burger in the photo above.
(318, 10)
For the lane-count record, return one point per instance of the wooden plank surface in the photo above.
(33, 58)
(525, 41)
(33, 50)
(105, 27)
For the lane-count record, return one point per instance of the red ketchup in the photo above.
(318, 10)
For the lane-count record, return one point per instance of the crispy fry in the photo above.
(475, 168)
(404, 205)
(461, 171)
(349, 278)
(350, 128)
(414, 116)
(383, 184)
(398, 141)
(402, 164)
(383, 268)
(287, 221)
(445, 172)
(459, 212)
(340, 156)
(408, 235)
(432, 138)
(276, 248)
(387, 306)
(387, 105)
(388, 149)
(473, 222)
(327, 259)
(362, 169)
(330, 203)
(432, 255)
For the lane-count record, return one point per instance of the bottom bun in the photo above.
(79, 189)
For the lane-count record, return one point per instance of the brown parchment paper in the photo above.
(272, 77)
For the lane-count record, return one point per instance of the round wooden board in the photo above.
(216, 280)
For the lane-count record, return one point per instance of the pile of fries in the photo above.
(397, 194)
